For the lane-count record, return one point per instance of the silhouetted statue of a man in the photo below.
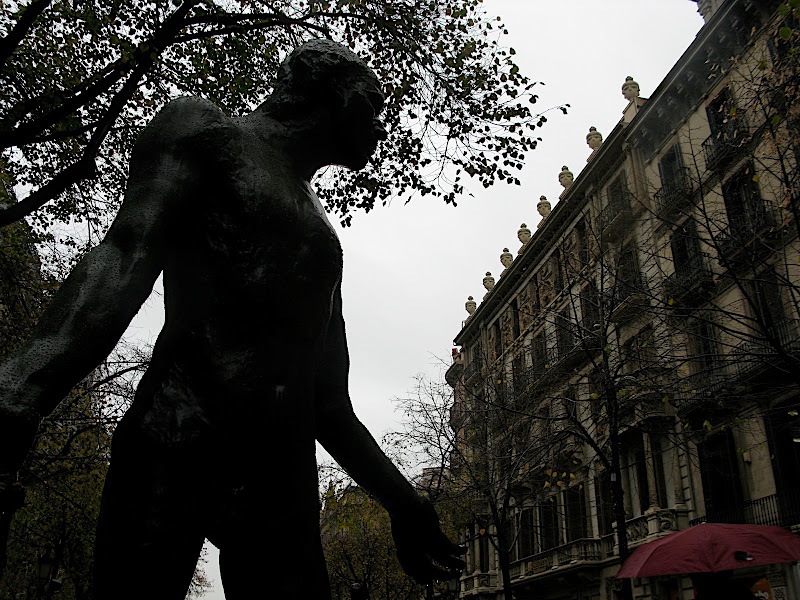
(251, 365)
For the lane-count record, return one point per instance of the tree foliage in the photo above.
(358, 545)
(63, 479)
(81, 78)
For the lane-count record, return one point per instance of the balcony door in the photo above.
(743, 204)
(722, 486)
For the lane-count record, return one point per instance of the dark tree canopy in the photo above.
(80, 78)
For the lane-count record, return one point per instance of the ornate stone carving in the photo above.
(594, 138)
(488, 281)
(565, 178)
(506, 258)
(523, 235)
(630, 89)
(470, 305)
(543, 207)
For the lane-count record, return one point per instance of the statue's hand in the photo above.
(424, 551)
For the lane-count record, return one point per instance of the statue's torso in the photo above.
(249, 283)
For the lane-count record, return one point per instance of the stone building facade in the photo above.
(645, 336)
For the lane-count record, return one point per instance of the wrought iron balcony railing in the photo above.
(616, 211)
(782, 510)
(673, 193)
(687, 280)
(743, 229)
(722, 147)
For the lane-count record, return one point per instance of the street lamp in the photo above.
(453, 587)
(48, 569)
(358, 591)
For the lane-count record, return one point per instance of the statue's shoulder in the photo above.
(188, 119)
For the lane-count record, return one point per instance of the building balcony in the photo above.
(478, 581)
(694, 390)
(575, 553)
(755, 354)
(722, 148)
(571, 349)
(614, 218)
(673, 194)
(587, 552)
(689, 284)
(473, 369)
(625, 298)
(781, 510)
(454, 372)
(748, 234)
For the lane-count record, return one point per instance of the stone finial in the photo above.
(543, 207)
(594, 138)
(524, 234)
(506, 258)
(630, 89)
(565, 178)
(470, 305)
(488, 282)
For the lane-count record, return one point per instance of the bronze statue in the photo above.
(251, 365)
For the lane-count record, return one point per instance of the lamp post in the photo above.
(453, 588)
(48, 569)
(359, 591)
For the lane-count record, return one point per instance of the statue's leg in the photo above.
(269, 536)
(274, 568)
(149, 536)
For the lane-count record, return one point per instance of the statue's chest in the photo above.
(269, 227)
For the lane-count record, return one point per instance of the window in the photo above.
(483, 553)
(575, 508)
(768, 305)
(515, 318)
(640, 472)
(582, 243)
(639, 352)
(605, 502)
(728, 128)
(558, 273)
(718, 113)
(686, 257)
(548, 521)
(783, 431)
(565, 337)
(628, 279)
(670, 169)
(526, 539)
(704, 341)
(722, 487)
(743, 203)
(498, 339)
(618, 194)
(535, 302)
(658, 467)
(519, 376)
(590, 309)
(538, 353)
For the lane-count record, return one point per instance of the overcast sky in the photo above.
(410, 267)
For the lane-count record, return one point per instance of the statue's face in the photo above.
(358, 127)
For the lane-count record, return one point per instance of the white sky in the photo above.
(409, 268)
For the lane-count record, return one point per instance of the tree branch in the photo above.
(14, 37)
(85, 167)
(163, 37)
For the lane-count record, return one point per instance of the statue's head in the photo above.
(323, 76)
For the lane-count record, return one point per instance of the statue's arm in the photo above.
(94, 305)
(421, 545)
